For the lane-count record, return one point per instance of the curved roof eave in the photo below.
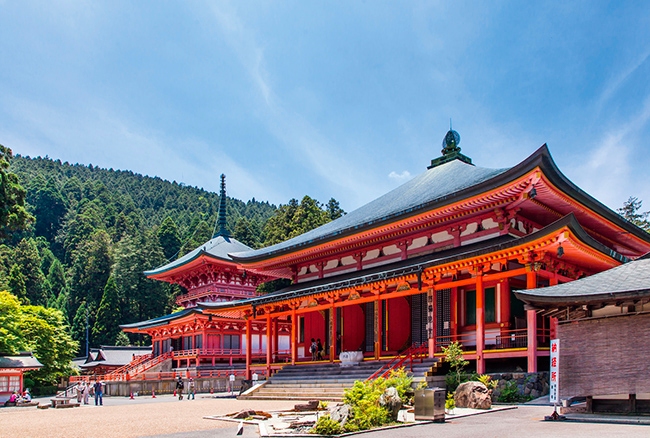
(216, 248)
(161, 320)
(540, 158)
(172, 266)
(414, 265)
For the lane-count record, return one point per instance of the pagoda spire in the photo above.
(450, 150)
(221, 221)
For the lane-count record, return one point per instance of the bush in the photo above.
(326, 426)
(510, 394)
(363, 398)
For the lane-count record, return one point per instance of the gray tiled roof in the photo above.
(20, 361)
(218, 247)
(628, 280)
(117, 356)
(431, 186)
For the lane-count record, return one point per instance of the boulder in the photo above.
(340, 414)
(474, 395)
(391, 400)
(311, 405)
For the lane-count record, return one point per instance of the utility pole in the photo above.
(87, 331)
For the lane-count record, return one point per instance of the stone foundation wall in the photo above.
(532, 385)
(168, 386)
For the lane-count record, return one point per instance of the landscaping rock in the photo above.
(473, 395)
(340, 413)
(391, 399)
(311, 405)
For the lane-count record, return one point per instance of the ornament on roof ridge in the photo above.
(450, 149)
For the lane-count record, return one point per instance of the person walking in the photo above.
(86, 392)
(99, 392)
(179, 387)
(319, 349)
(313, 349)
(191, 389)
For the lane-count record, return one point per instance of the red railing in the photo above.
(135, 362)
(415, 351)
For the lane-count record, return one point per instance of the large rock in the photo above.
(474, 395)
(340, 413)
(391, 400)
(311, 405)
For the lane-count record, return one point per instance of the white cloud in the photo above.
(400, 177)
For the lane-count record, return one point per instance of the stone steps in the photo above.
(321, 381)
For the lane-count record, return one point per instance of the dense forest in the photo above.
(87, 234)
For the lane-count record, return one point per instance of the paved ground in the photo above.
(166, 417)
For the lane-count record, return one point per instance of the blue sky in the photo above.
(327, 98)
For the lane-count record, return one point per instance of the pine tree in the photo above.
(13, 215)
(106, 326)
(630, 211)
(169, 238)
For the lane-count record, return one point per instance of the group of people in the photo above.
(86, 390)
(17, 398)
(191, 388)
(316, 349)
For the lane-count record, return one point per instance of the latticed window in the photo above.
(9, 383)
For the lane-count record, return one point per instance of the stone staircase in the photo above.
(322, 381)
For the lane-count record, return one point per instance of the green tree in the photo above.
(90, 270)
(13, 215)
(46, 335)
(11, 340)
(454, 357)
(169, 238)
(16, 282)
(28, 259)
(40, 330)
(333, 209)
(49, 208)
(630, 211)
(122, 339)
(247, 233)
(106, 325)
(201, 234)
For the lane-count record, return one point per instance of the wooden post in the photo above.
(249, 347)
(378, 324)
(431, 317)
(333, 332)
(276, 339)
(531, 325)
(294, 336)
(480, 322)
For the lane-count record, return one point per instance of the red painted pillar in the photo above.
(531, 325)
(269, 342)
(276, 339)
(553, 328)
(431, 312)
(249, 347)
(294, 336)
(480, 323)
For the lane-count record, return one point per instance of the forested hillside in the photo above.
(93, 231)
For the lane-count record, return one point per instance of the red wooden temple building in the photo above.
(434, 261)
